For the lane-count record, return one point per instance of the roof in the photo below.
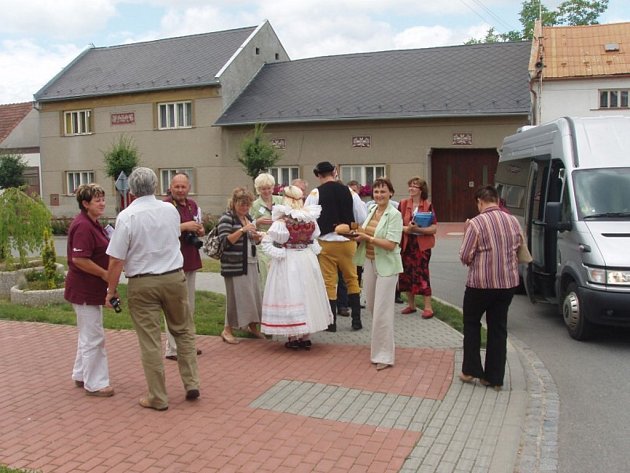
(468, 80)
(11, 115)
(185, 61)
(582, 51)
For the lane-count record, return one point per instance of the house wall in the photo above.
(562, 98)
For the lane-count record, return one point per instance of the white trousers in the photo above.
(171, 346)
(380, 294)
(90, 365)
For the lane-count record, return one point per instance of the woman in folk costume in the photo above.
(295, 303)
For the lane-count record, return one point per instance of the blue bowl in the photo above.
(423, 219)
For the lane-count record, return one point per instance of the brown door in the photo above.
(31, 176)
(455, 176)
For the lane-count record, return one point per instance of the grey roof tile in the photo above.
(466, 80)
(186, 61)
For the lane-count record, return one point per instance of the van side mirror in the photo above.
(553, 212)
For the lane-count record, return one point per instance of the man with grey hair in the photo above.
(146, 244)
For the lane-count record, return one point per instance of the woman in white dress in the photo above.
(295, 303)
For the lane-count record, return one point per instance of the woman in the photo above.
(416, 247)
(239, 266)
(295, 303)
(379, 254)
(86, 285)
(261, 211)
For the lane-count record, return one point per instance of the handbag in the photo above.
(523, 254)
(212, 246)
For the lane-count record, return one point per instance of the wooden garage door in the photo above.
(455, 176)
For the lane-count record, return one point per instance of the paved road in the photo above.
(590, 378)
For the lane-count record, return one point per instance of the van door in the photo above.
(545, 185)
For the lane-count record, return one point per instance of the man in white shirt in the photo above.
(146, 243)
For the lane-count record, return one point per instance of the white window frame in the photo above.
(173, 115)
(280, 172)
(166, 175)
(77, 122)
(76, 178)
(364, 174)
(614, 99)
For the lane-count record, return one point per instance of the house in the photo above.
(437, 112)
(580, 71)
(164, 94)
(19, 134)
(187, 102)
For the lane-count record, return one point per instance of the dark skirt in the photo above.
(415, 278)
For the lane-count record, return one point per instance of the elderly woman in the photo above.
(261, 212)
(86, 285)
(295, 303)
(239, 266)
(416, 247)
(379, 254)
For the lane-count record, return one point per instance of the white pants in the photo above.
(171, 346)
(379, 295)
(90, 365)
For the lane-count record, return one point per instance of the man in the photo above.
(191, 229)
(302, 185)
(489, 247)
(146, 243)
(339, 205)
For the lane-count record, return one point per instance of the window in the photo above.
(175, 115)
(284, 175)
(75, 178)
(363, 174)
(167, 174)
(78, 122)
(613, 98)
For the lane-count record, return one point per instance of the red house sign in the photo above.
(123, 118)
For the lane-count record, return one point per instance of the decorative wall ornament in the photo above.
(279, 143)
(462, 139)
(361, 141)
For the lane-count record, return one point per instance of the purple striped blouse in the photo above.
(489, 250)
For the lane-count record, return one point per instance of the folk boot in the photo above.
(333, 307)
(355, 305)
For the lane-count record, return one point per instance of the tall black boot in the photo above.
(333, 307)
(355, 305)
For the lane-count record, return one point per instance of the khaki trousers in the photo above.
(149, 296)
(337, 256)
(171, 345)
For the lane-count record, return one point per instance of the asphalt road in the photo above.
(592, 378)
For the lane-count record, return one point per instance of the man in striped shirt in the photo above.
(489, 247)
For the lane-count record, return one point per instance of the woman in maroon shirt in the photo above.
(86, 286)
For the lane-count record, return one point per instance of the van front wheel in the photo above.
(572, 311)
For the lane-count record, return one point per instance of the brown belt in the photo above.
(152, 274)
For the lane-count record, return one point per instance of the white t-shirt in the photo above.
(147, 237)
(359, 209)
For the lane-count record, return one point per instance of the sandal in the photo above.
(228, 338)
(427, 313)
(407, 310)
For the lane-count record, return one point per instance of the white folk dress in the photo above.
(295, 302)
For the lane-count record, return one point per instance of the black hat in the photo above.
(323, 167)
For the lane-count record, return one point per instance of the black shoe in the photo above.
(192, 394)
(399, 300)
(343, 311)
(356, 324)
(292, 344)
(171, 357)
(332, 328)
(306, 344)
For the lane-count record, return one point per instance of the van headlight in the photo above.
(608, 276)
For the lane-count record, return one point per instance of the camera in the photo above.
(191, 239)
(115, 302)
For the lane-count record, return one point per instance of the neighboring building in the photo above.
(19, 134)
(580, 71)
(165, 94)
(438, 112)
(187, 102)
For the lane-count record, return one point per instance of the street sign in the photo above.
(121, 183)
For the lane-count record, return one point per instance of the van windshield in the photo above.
(602, 193)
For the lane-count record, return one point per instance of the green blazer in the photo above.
(388, 263)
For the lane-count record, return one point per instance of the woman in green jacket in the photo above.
(379, 254)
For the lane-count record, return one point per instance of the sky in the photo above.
(40, 37)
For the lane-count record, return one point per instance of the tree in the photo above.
(257, 153)
(23, 220)
(121, 156)
(12, 168)
(569, 12)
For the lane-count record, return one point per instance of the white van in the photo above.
(568, 182)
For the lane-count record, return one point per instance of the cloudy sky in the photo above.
(39, 37)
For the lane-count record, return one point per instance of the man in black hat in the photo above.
(338, 206)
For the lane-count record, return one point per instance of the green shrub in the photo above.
(60, 225)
